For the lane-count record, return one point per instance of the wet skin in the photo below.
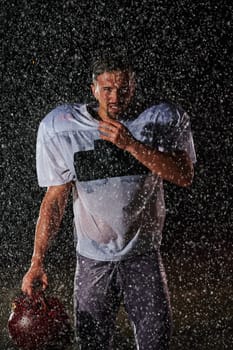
(114, 91)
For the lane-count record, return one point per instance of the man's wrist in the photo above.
(132, 146)
(36, 261)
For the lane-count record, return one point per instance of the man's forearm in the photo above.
(175, 167)
(47, 226)
(50, 217)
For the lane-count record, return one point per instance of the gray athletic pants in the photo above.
(140, 283)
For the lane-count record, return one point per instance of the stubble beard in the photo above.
(116, 115)
(112, 116)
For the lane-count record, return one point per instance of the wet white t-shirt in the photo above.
(118, 203)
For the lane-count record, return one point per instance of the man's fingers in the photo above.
(30, 283)
(107, 128)
(27, 289)
(44, 282)
(106, 133)
(110, 122)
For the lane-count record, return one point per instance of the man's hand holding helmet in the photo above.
(35, 274)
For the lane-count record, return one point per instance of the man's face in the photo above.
(113, 91)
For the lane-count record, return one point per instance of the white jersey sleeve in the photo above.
(52, 154)
(167, 128)
(180, 135)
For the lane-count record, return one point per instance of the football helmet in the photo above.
(39, 323)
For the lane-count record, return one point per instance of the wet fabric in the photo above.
(140, 284)
(118, 204)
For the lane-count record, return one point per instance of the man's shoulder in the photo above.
(162, 113)
(63, 118)
(63, 113)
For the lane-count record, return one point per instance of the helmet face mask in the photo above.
(39, 323)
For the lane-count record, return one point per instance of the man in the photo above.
(115, 164)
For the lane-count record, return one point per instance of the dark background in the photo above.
(181, 51)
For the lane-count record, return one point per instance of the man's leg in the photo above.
(97, 300)
(146, 300)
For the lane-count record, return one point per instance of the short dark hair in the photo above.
(110, 64)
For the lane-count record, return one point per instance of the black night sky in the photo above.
(181, 51)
